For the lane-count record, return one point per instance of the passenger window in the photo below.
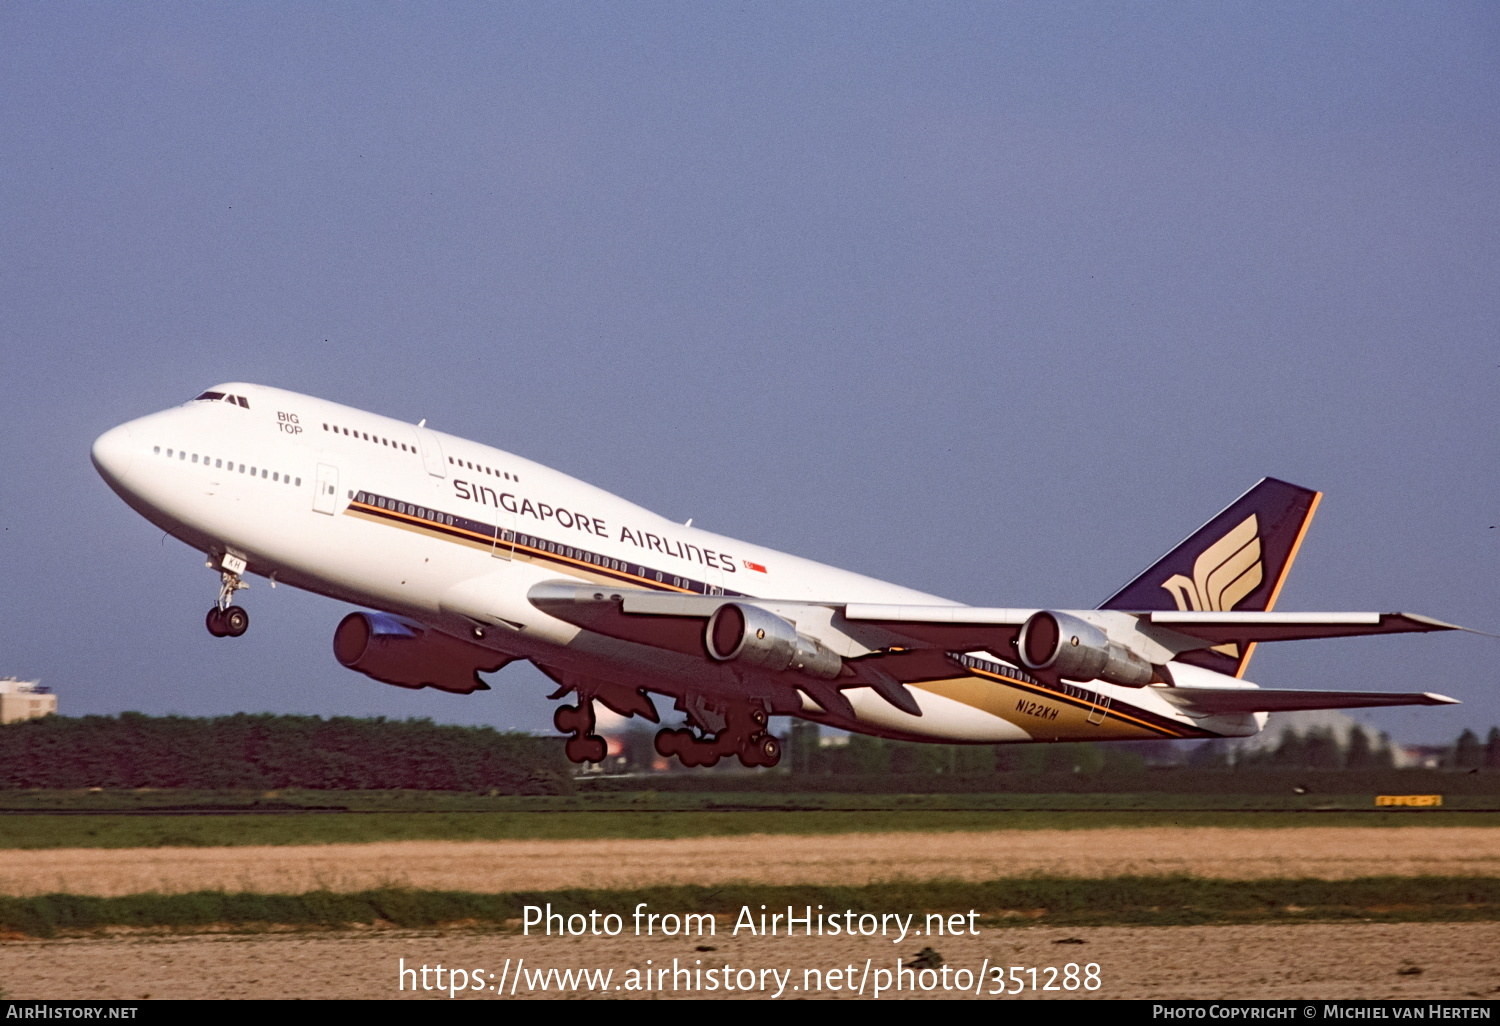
(298, 484)
(195, 457)
(156, 450)
(276, 477)
(218, 464)
(182, 454)
(252, 471)
(242, 468)
(263, 473)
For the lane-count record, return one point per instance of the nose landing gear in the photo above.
(227, 623)
(225, 620)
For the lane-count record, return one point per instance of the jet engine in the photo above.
(393, 651)
(760, 638)
(1076, 650)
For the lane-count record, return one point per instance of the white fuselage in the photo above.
(291, 484)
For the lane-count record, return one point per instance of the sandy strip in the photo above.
(490, 866)
(1304, 962)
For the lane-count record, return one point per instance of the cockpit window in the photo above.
(223, 397)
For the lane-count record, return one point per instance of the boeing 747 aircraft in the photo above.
(465, 558)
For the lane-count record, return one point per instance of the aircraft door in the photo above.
(432, 451)
(505, 534)
(713, 579)
(1100, 706)
(326, 495)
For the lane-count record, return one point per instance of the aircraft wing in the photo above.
(675, 621)
(1217, 701)
(889, 646)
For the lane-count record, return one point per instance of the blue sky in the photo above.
(995, 300)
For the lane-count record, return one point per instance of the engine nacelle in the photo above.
(1076, 650)
(393, 651)
(755, 636)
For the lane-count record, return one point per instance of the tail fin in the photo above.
(1238, 560)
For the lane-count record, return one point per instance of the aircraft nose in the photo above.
(113, 453)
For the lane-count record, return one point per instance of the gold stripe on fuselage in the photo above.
(1046, 714)
(487, 543)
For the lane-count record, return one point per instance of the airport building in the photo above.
(24, 700)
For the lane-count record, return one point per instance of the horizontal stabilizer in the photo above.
(1242, 628)
(1217, 701)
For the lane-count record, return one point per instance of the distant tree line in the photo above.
(270, 751)
(1323, 748)
(1361, 749)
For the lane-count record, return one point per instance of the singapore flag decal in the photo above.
(753, 566)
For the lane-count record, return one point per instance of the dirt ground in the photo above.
(1406, 960)
(490, 866)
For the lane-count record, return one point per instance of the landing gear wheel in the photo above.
(697, 753)
(669, 741)
(589, 748)
(769, 750)
(214, 621)
(764, 750)
(569, 719)
(235, 620)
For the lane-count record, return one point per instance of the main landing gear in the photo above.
(578, 720)
(744, 734)
(225, 620)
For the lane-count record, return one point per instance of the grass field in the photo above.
(130, 819)
(292, 801)
(1123, 901)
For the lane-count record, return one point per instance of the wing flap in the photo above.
(954, 628)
